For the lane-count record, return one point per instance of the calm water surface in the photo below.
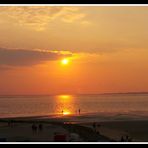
(16, 106)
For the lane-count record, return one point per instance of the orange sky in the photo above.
(107, 48)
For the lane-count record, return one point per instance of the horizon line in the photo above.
(107, 93)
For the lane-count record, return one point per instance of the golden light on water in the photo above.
(65, 113)
(65, 105)
(65, 97)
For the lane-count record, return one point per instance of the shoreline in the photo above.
(85, 117)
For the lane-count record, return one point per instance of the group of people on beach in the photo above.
(36, 128)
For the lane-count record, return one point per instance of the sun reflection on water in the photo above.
(65, 97)
(65, 105)
(65, 113)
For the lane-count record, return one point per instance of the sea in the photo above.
(119, 105)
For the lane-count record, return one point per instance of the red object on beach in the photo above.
(60, 138)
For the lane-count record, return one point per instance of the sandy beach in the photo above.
(21, 131)
(82, 127)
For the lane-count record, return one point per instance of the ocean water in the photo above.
(119, 104)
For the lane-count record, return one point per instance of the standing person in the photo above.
(34, 128)
(79, 111)
(33, 125)
(122, 139)
(94, 126)
(40, 127)
(127, 138)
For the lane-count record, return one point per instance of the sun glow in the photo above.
(65, 61)
(65, 97)
(65, 113)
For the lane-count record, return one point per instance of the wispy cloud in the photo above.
(21, 57)
(38, 17)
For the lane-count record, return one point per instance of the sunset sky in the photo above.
(106, 48)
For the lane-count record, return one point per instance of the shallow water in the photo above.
(121, 105)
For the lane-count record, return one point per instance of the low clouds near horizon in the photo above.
(21, 57)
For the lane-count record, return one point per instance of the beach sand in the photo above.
(22, 132)
(138, 130)
(109, 131)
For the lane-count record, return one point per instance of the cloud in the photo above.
(5, 68)
(38, 17)
(21, 57)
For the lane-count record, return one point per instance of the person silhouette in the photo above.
(94, 126)
(122, 139)
(127, 138)
(40, 127)
(79, 111)
(34, 128)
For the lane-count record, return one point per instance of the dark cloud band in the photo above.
(21, 57)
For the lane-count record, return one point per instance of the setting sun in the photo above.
(70, 72)
(65, 61)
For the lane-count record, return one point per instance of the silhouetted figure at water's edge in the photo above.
(79, 111)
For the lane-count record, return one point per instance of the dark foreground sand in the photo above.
(110, 131)
(138, 130)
